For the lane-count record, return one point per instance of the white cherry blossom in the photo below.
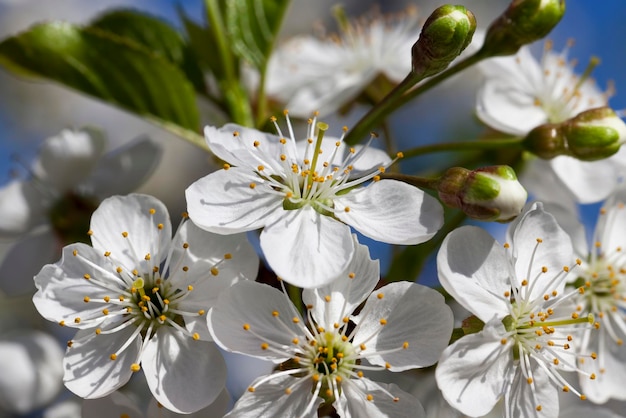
(323, 356)
(70, 176)
(521, 93)
(306, 195)
(603, 276)
(309, 73)
(138, 298)
(531, 328)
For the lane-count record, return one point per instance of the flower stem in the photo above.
(489, 144)
(397, 97)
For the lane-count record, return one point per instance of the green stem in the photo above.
(421, 182)
(396, 98)
(261, 104)
(489, 144)
(234, 95)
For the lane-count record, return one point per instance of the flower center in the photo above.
(70, 216)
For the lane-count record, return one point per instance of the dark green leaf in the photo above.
(105, 66)
(155, 35)
(253, 26)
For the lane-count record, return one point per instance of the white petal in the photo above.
(589, 181)
(216, 409)
(391, 211)
(22, 207)
(131, 214)
(611, 359)
(240, 150)
(223, 202)
(24, 260)
(554, 252)
(68, 158)
(414, 314)
(270, 400)
(184, 375)
(125, 169)
(544, 185)
(353, 402)
(266, 311)
(31, 364)
(569, 221)
(307, 249)
(62, 288)
(508, 110)
(612, 222)
(90, 372)
(474, 269)
(331, 303)
(208, 270)
(115, 404)
(472, 372)
(521, 400)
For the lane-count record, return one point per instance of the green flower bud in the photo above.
(487, 194)
(523, 22)
(591, 135)
(445, 34)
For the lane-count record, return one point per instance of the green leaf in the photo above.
(253, 26)
(104, 66)
(155, 35)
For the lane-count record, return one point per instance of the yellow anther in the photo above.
(544, 269)
(195, 336)
(594, 355)
(295, 341)
(252, 185)
(405, 345)
(529, 380)
(246, 327)
(87, 276)
(107, 253)
(125, 234)
(503, 341)
(370, 397)
(189, 288)
(295, 320)
(75, 253)
(250, 389)
(351, 275)
(226, 166)
(119, 269)
(77, 320)
(135, 367)
(113, 356)
(383, 321)
(265, 346)
(215, 271)
(380, 295)
(86, 299)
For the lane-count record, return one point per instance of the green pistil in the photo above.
(139, 284)
(541, 324)
(321, 129)
(593, 63)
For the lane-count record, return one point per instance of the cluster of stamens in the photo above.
(562, 99)
(328, 358)
(140, 296)
(544, 328)
(309, 180)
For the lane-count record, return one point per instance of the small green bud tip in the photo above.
(445, 34)
(523, 22)
(487, 194)
(591, 135)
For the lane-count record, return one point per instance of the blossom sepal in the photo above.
(487, 194)
(523, 22)
(591, 135)
(446, 33)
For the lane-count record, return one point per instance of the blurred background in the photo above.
(32, 111)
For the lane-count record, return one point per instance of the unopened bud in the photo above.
(523, 22)
(446, 33)
(487, 194)
(591, 135)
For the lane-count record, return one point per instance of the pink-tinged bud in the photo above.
(591, 135)
(487, 194)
